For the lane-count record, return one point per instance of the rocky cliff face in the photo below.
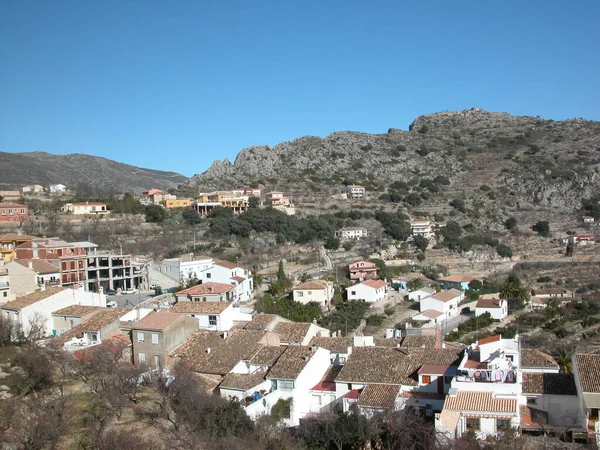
(541, 162)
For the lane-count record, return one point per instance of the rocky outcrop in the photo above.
(543, 162)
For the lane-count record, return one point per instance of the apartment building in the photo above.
(14, 213)
(82, 208)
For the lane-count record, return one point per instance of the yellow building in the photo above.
(178, 203)
(8, 244)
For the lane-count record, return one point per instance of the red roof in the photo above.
(375, 284)
(434, 369)
(324, 386)
(354, 393)
(490, 339)
(207, 288)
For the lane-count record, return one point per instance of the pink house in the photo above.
(363, 270)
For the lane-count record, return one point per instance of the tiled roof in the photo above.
(200, 307)
(291, 362)
(229, 264)
(261, 321)
(550, 291)
(333, 344)
(39, 266)
(394, 366)
(531, 357)
(14, 237)
(460, 278)
(94, 323)
(489, 340)
(416, 341)
(210, 352)
(32, 298)
(292, 331)
(327, 386)
(489, 303)
(465, 401)
(242, 381)
(314, 285)
(379, 395)
(549, 383)
(207, 289)
(77, 310)
(267, 355)
(238, 279)
(386, 342)
(588, 368)
(446, 296)
(434, 369)
(159, 320)
(431, 313)
(449, 419)
(375, 284)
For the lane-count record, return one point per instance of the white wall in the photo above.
(366, 293)
(53, 303)
(230, 393)
(417, 295)
(563, 410)
(496, 313)
(321, 296)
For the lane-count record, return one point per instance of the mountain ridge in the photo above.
(544, 162)
(74, 168)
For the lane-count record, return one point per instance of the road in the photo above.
(326, 258)
(131, 300)
(452, 323)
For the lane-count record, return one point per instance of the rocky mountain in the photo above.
(535, 162)
(19, 169)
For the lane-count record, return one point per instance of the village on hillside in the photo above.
(471, 352)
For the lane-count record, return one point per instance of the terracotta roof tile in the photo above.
(313, 285)
(292, 331)
(588, 367)
(416, 341)
(333, 344)
(466, 401)
(32, 298)
(207, 289)
(78, 310)
(375, 284)
(224, 353)
(94, 323)
(549, 383)
(186, 307)
(267, 356)
(156, 321)
(531, 357)
(262, 321)
(242, 381)
(431, 313)
(39, 266)
(291, 362)
(489, 303)
(446, 296)
(229, 265)
(379, 395)
(489, 340)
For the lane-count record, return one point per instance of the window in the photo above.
(309, 292)
(212, 320)
(285, 384)
(203, 299)
(425, 379)
(300, 293)
(472, 424)
(208, 275)
(155, 338)
(3, 212)
(349, 386)
(532, 400)
(502, 424)
(315, 400)
(5, 294)
(140, 337)
(353, 292)
(142, 357)
(342, 360)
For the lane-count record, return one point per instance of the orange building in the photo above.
(13, 212)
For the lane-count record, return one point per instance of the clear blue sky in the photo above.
(174, 85)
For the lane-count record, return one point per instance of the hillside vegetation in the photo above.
(525, 162)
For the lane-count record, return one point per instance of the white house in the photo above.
(429, 317)
(445, 302)
(369, 291)
(319, 291)
(54, 188)
(41, 304)
(207, 292)
(586, 368)
(96, 208)
(214, 316)
(205, 269)
(4, 285)
(422, 228)
(32, 188)
(294, 374)
(352, 233)
(497, 307)
(416, 296)
(354, 191)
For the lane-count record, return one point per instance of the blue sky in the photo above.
(174, 85)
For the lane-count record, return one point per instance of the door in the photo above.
(440, 384)
(157, 362)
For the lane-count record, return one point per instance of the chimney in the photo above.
(208, 350)
(30, 264)
(42, 287)
(225, 334)
(211, 289)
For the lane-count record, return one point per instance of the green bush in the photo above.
(375, 320)
(542, 228)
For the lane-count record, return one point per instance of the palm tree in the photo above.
(563, 359)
